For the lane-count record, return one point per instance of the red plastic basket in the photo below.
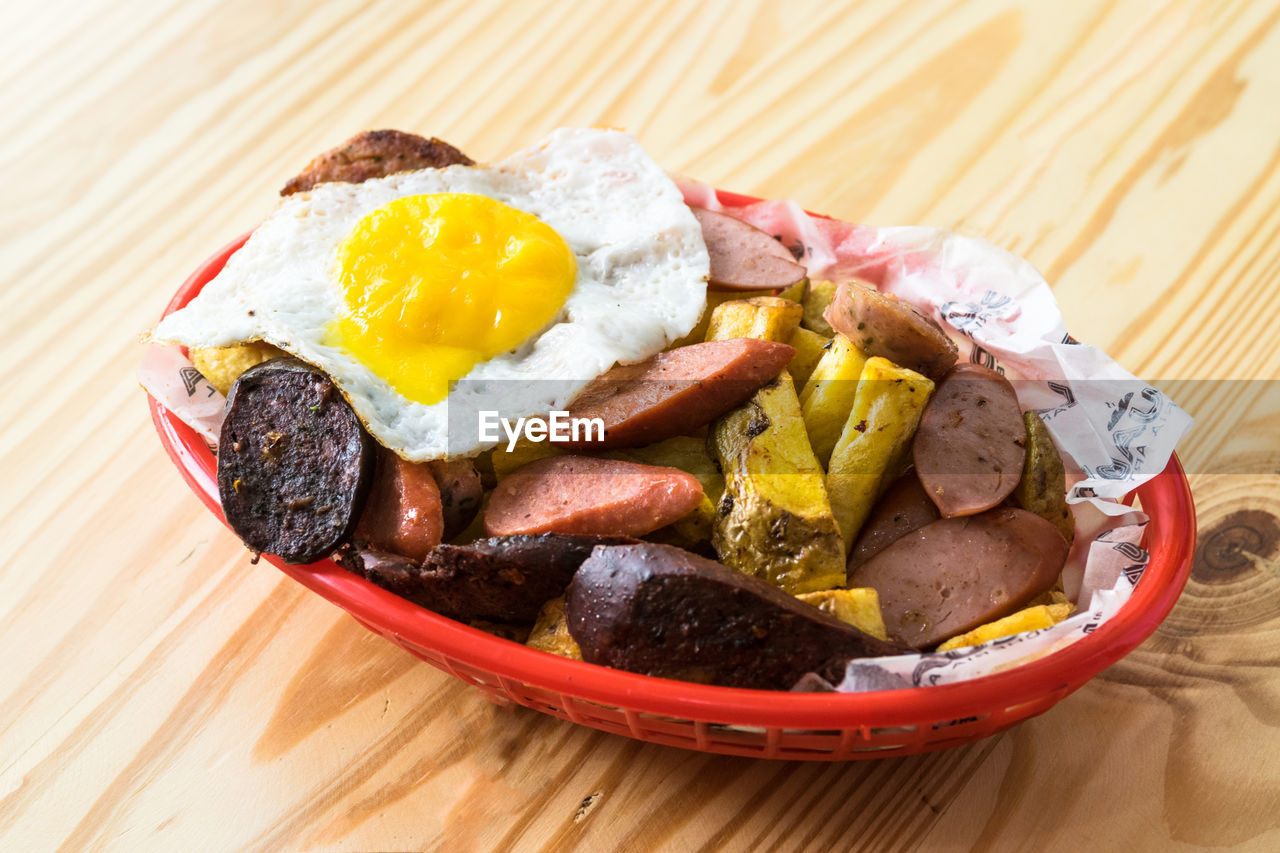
(759, 723)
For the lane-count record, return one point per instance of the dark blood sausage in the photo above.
(882, 324)
(504, 580)
(903, 508)
(403, 513)
(677, 391)
(587, 496)
(958, 573)
(743, 257)
(376, 154)
(969, 448)
(658, 610)
(460, 493)
(294, 462)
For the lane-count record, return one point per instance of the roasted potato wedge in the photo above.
(766, 317)
(859, 607)
(223, 365)
(551, 632)
(828, 396)
(796, 291)
(1043, 487)
(775, 519)
(809, 347)
(1028, 619)
(699, 332)
(876, 440)
(816, 299)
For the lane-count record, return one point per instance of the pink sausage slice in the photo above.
(743, 257)
(403, 513)
(588, 496)
(971, 442)
(955, 574)
(882, 324)
(677, 391)
(903, 508)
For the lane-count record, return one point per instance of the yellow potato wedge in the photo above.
(810, 347)
(699, 332)
(775, 519)
(828, 396)
(222, 365)
(1027, 619)
(796, 291)
(766, 317)
(1043, 487)
(551, 632)
(876, 440)
(859, 607)
(816, 299)
(692, 530)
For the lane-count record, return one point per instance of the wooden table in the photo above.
(159, 692)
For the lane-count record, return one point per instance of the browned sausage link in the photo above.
(743, 257)
(883, 325)
(403, 513)
(294, 462)
(658, 610)
(971, 442)
(376, 154)
(503, 580)
(958, 573)
(677, 391)
(583, 495)
(460, 493)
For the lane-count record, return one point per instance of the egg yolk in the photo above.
(432, 285)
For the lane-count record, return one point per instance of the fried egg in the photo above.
(433, 295)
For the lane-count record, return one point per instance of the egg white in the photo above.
(641, 284)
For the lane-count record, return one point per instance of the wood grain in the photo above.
(159, 692)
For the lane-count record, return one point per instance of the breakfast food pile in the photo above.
(571, 401)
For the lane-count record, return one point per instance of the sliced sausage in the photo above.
(904, 507)
(743, 257)
(971, 442)
(882, 324)
(503, 580)
(294, 462)
(460, 492)
(403, 513)
(587, 496)
(677, 391)
(658, 610)
(958, 573)
(376, 154)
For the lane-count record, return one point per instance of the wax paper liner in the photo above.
(1114, 430)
